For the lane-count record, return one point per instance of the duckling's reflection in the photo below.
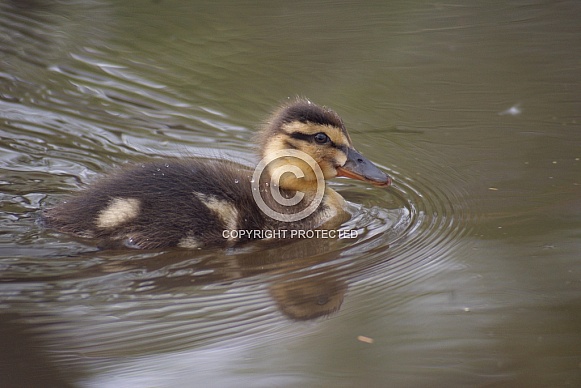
(304, 298)
(157, 303)
(303, 282)
(24, 361)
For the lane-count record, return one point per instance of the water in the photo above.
(464, 273)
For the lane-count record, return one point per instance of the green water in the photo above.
(465, 273)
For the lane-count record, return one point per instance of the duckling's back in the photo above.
(186, 202)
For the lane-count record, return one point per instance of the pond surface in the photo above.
(467, 272)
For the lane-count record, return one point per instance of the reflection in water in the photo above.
(24, 360)
(308, 298)
(98, 311)
(464, 273)
(127, 305)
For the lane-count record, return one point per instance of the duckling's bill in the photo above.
(360, 168)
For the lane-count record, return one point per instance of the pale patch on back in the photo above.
(190, 243)
(225, 210)
(117, 212)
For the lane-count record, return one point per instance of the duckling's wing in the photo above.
(186, 203)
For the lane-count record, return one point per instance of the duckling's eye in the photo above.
(321, 138)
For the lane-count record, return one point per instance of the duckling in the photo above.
(195, 202)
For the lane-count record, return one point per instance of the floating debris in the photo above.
(512, 111)
(365, 339)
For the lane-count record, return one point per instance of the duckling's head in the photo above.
(320, 133)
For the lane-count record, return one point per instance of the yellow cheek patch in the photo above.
(338, 137)
(328, 156)
(330, 160)
(275, 143)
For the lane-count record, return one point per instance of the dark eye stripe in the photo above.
(301, 136)
(311, 138)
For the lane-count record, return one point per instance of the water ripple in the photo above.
(98, 109)
(433, 216)
(191, 298)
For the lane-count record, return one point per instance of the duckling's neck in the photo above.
(301, 192)
(290, 186)
(305, 184)
(295, 174)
